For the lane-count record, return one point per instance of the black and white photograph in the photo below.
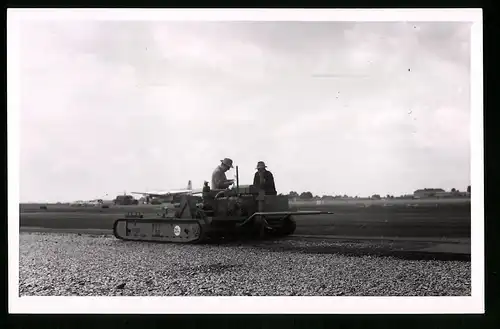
(263, 160)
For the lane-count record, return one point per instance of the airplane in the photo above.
(169, 194)
(77, 203)
(95, 203)
(81, 203)
(99, 202)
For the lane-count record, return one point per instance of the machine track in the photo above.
(159, 230)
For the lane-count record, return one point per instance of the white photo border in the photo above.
(250, 305)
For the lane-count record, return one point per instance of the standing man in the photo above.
(219, 180)
(264, 179)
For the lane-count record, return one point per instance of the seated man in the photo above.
(264, 179)
(219, 180)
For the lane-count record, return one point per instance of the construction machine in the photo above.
(236, 213)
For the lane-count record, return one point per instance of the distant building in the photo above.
(456, 194)
(125, 200)
(445, 195)
(428, 193)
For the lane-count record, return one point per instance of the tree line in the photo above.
(308, 195)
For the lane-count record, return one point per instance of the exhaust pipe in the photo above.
(237, 181)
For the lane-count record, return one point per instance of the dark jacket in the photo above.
(268, 185)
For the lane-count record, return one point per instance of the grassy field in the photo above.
(445, 213)
(444, 219)
(299, 204)
(391, 226)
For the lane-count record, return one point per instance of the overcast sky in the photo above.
(332, 108)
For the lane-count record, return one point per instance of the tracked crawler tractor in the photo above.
(238, 213)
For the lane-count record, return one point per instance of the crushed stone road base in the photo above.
(407, 248)
(85, 265)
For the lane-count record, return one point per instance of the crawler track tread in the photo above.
(159, 239)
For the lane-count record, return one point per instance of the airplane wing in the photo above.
(167, 193)
(153, 194)
(189, 190)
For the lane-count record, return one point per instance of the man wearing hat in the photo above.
(264, 179)
(219, 180)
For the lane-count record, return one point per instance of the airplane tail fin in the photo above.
(190, 186)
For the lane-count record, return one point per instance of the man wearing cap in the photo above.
(264, 179)
(219, 180)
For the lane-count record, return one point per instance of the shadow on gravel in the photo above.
(368, 250)
(401, 250)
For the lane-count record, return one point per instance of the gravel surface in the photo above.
(85, 265)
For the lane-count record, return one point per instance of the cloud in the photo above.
(356, 108)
